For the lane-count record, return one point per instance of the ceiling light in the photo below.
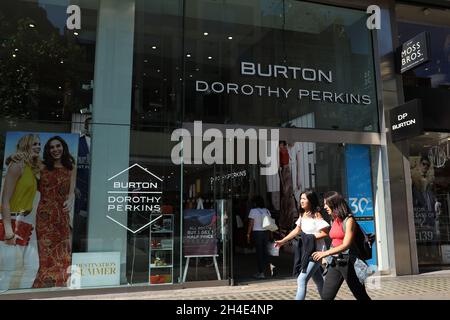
(188, 55)
(14, 56)
(31, 25)
(16, 50)
(209, 58)
(154, 47)
(205, 33)
(75, 33)
(230, 38)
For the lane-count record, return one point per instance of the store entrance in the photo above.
(228, 190)
(305, 165)
(430, 175)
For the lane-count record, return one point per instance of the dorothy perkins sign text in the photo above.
(305, 74)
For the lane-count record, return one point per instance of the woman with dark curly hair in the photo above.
(53, 231)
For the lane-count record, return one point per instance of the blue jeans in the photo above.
(313, 270)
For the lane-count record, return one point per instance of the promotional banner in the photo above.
(38, 182)
(95, 269)
(199, 235)
(359, 189)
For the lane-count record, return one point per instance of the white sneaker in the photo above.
(272, 270)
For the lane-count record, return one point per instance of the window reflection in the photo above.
(46, 68)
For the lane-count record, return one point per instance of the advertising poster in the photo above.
(199, 236)
(359, 189)
(95, 269)
(425, 203)
(38, 186)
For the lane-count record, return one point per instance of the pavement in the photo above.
(427, 286)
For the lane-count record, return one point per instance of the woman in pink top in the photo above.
(341, 266)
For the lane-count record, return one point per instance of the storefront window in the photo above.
(429, 82)
(153, 255)
(47, 73)
(430, 175)
(321, 167)
(87, 117)
(412, 21)
(279, 63)
(46, 69)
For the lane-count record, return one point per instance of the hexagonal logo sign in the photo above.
(133, 195)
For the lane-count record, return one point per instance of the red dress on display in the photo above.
(53, 229)
(287, 209)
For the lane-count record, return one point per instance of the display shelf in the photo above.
(161, 248)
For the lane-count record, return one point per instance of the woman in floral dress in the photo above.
(53, 227)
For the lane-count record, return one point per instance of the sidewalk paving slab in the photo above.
(430, 286)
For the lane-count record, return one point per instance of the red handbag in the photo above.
(22, 229)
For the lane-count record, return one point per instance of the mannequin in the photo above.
(82, 189)
(288, 210)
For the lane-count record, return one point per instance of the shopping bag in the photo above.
(22, 229)
(272, 250)
(268, 223)
(239, 222)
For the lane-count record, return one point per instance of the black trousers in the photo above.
(336, 275)
(261, 238)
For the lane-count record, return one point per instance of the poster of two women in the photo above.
(37, 199)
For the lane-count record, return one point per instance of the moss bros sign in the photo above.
(414, 52)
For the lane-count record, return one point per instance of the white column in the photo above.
(111, 121)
